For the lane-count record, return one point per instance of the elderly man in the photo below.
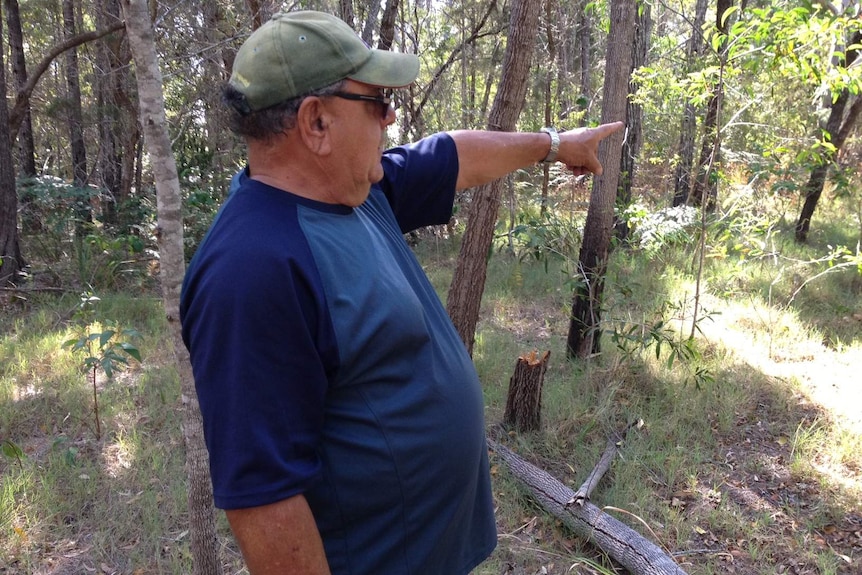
(342, 413)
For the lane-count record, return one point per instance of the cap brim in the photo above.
(388, 69)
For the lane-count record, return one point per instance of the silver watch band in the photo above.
(555, 144)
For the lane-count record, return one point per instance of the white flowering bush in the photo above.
(653, 230)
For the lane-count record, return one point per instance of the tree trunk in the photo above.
(705, 186)
(370, 24)
(261, 12)
(634, 116)
(345, 9)
(584, 33)
(10, 249)
(524, 401)
(468, 282)
(75, 117)
(26, 148)
(622, 543)
(584, 336)
(387, 25)
(817, 179)
(73, 105)
(549, 95)
(836, 131)
(685, 151)
(119, 133)
(204, 544)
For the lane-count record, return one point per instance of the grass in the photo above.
(748, 461)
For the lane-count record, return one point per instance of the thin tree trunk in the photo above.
(634, 116)
(836, 131)
(370, 24)
(73, 102)
(387, 25)
(705, 186)
(204, 544)
(468, 282)
(549, 81)
(345, 8)
(26, 147)
(10, 249)
(584, 335)
(584, 33)
(685, 151)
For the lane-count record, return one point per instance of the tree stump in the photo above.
(524, 402)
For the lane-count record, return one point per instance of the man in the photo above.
(342, 413)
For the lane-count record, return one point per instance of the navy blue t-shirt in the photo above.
(325, 364)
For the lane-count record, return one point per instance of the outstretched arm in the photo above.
(484, 156)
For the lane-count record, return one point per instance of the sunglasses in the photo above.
(384, 101)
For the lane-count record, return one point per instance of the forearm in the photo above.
(484, 156)
(280, 538)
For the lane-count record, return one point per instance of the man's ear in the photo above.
(312, 124)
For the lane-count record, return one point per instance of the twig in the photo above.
(585, 490)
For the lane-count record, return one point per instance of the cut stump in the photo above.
(524, 402)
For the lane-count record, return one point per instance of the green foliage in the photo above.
(540, 236)
(11, 450)
(108, 350)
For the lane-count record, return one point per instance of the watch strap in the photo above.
(555, 144)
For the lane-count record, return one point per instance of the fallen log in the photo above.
(622, 543)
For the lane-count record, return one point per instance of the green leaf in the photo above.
(11, 450)
(106, 336)
(131, 350)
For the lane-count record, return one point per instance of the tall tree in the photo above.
(584, 334)
(838, 127)
(26, 146)
(74, 114)
(468, 282)
(171, 261)
(584, 36)
(10, 249)
(634, 115)
(685, 150)
(705, 185)
(75, 118)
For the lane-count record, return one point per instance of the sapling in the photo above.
(107, 350)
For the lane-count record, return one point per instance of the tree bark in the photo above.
(705, 191)
(622, 543)
(10, 249)
(685, 150)
(468, 282)
(26, 146)
(836, 131)
(524, 401)
(204, 544)
(548, 95)
(634, 116)
(73, 102)
(584, 36)
(584, 334)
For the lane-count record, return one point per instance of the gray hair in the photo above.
(268, 122)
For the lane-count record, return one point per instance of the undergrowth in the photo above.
(742, 465)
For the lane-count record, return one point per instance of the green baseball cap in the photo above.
(299, 52)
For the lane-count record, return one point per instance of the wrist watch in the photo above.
(555, 145)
